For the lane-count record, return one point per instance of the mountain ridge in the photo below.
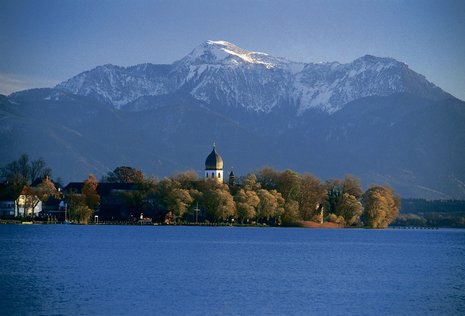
(221, 72)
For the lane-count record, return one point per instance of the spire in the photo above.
(232, 178)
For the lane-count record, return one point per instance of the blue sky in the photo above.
(46, 42)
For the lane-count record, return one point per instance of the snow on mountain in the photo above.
(221, 73)
(119, 85)
(225, 53)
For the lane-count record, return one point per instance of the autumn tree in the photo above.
(381, 206)
(271, 205)
(217, 201)
(83, 204)
(186, 179)
(291, 212)
(351, 185)
(124, 174)
(79, 211)
(175, 198)
(89, 190)
(289, 185)
(246, 204)
(268, 178)
(312, 196)
(350, 209)
(250, 183)
(342, 197)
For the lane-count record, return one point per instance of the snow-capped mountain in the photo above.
(374, 118)
(219, 72)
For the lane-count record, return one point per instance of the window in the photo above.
(213, 175)
(219, 175)
(207, 175)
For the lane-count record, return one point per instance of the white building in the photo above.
(28, 205)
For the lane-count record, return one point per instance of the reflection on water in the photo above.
(79, 270)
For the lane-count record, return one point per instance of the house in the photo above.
(27, 204)
(26, 201)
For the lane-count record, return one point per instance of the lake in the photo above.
(159, 270)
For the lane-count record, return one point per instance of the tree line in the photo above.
(431, 213)
(267, 196)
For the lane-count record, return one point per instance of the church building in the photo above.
(214, 166)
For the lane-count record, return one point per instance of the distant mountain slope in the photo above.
(374, 118)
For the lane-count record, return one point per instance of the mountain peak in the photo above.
(226, 53)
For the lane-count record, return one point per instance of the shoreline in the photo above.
(304, 224)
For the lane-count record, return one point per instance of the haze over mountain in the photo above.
(373, 117)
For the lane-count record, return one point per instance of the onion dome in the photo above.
(214, 161)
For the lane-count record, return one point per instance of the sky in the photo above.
(46, 42)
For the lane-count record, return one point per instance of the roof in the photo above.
(214, 161)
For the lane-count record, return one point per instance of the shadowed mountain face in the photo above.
(374, 118)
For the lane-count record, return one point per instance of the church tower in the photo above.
(214, 166)
(232, 179)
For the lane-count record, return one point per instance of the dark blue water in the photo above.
(132, 270)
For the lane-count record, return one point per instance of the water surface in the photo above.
(134, 270)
